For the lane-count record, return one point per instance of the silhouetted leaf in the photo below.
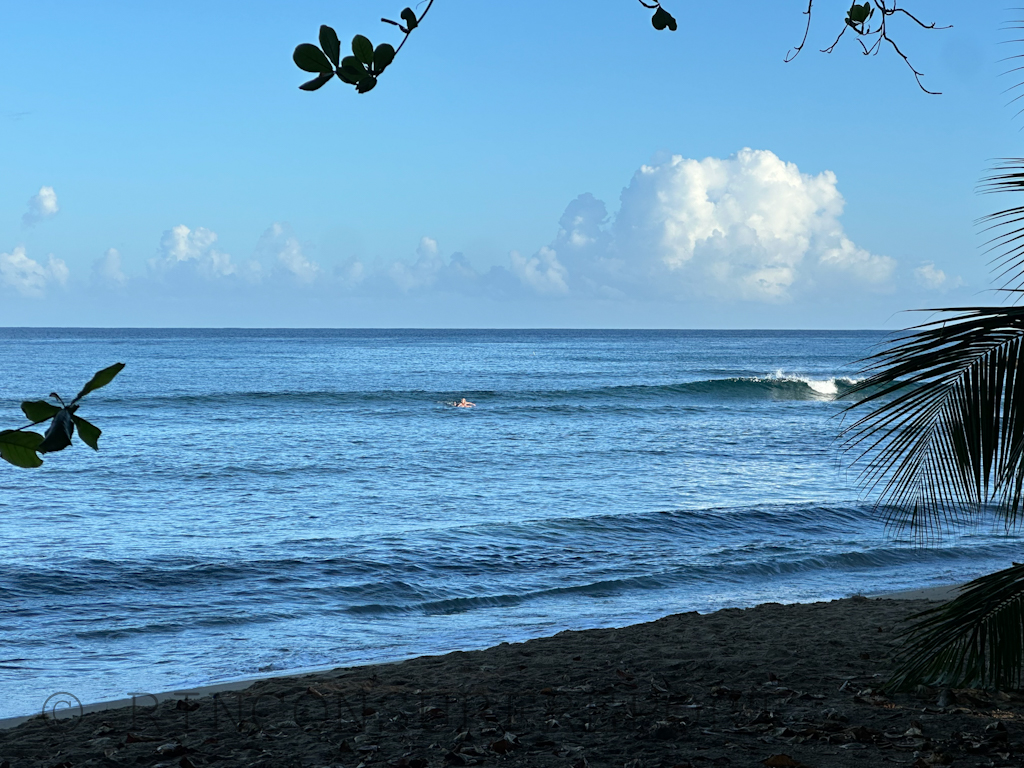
(858, 14)
(317, 82)
(89, 433)
(352, 70)
(311, 59)
(353, 63)
(383, 56)
(39, 410)
(363, 49)
(58, 436)
(104, 377)
(19, 448)
(662, 19)
(330, 43)
(366, 84)
(973, 640)
(409, 17)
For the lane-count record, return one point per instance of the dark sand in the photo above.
(775, 685)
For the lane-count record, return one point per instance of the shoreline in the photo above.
(148, 699)
(792, 685)
(939, 594)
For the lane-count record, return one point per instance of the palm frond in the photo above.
(1005, 229)
(943, 434)
(975, 640)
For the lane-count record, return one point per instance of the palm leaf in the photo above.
(975, 640)
(943, 434)
(1005, 228)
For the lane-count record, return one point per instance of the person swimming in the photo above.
(464, 403)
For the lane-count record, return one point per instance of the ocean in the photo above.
(267, 501)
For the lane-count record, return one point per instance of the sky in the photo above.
(537, 163)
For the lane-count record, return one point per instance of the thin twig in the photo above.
(917, 75)
(27, 426)
(834, 44)
(921, 23)
(792, 53)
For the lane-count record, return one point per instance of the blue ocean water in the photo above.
(267, 501)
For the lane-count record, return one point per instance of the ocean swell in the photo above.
(777, 386)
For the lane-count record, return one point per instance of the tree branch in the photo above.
(858, 20)
(917, 75)
(919, 22)
(792, 53)
(363, 70)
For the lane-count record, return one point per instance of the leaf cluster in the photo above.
(21, 447)
(365, 65)
(362, 68)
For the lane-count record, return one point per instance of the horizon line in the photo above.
(413, 328)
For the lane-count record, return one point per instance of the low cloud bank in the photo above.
(750, 228)
(27, 276)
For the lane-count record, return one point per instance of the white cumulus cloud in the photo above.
(934, 279)
(107, 270)
(27, 276)
(280, 244)
(41, 205)
(542, 272)
(420, 274)
(181, 245)
(858, 263)
(749, 227)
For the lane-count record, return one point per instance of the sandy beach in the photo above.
(773, 685)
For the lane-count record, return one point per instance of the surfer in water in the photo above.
(463, 403)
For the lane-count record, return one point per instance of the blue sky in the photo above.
(522, 164)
